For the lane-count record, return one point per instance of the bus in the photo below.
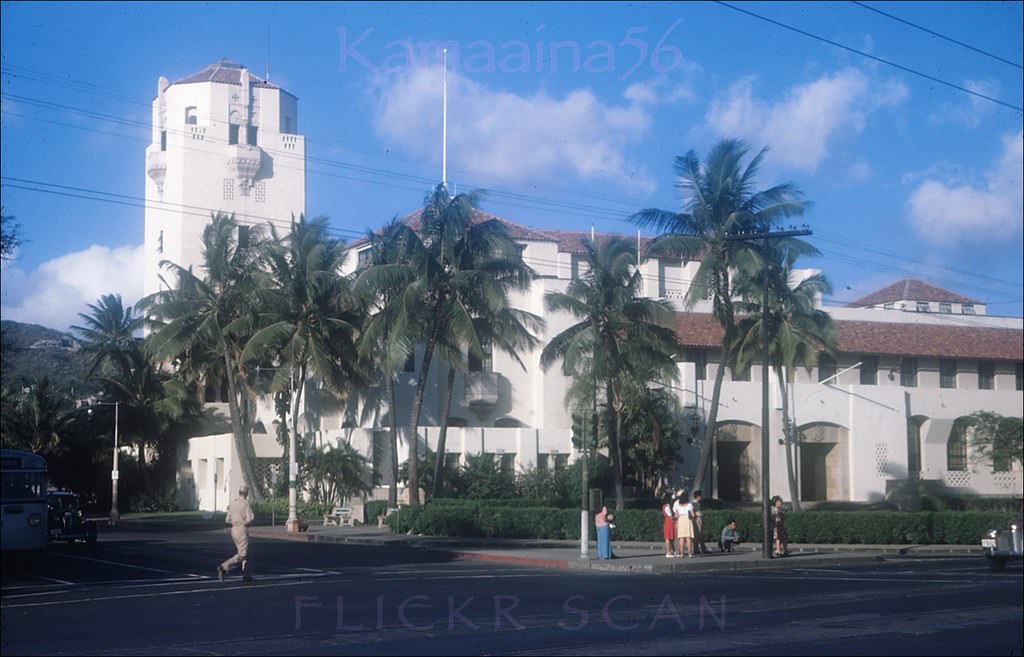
(23, 516)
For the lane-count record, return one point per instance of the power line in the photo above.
(12, 71)
(512, 199)
(936, 34)
(869, 56)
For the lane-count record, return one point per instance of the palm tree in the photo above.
(154, 406)
(209, 318)
(309, 318)
(719, 201)
(382, 348)
(460, 272)
(107, 333)
(620, 339)
(39, 420)
(798, 331)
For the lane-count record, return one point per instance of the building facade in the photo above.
(223, 140)
(885, 417)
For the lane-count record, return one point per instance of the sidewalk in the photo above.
(630, 557)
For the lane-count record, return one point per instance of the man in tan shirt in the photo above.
(239, 516)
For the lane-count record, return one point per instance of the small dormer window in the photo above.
(191, 117)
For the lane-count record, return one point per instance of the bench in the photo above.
(341, 516)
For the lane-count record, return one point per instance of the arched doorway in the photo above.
(738, 461)
(823, 462)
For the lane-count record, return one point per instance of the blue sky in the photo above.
(909, 173)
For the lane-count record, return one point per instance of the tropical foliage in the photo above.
(720, 202)
(621, 343)
(997, 439)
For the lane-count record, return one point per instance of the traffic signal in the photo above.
(579, 430)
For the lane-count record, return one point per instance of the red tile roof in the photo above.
(886, 338)
(940, 341)
(224, 71)
(911, 289)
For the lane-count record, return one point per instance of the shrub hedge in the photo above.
(267, 511)
(495, 519)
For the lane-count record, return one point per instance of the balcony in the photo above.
(244, 162)
(481, 390)
(156, 165)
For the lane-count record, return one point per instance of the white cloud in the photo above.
(801, 128)
(59, 289)
(949, 212)
(504, 134)
(973, 110)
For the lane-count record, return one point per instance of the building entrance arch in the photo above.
(824, 462)
(738, 460)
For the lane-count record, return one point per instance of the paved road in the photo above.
(145, 592)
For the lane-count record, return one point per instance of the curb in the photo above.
(801, 557)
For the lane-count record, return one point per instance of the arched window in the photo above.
(956, 447)
(190, 115)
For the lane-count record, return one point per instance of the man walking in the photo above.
(239, 516)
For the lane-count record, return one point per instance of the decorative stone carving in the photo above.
(156, 165)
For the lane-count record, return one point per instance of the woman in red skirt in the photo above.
(668, 527)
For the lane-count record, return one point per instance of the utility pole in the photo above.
(766, 512)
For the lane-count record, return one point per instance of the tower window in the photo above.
(250, 135)
(229, 189)
(190, 116)
(163, 140)
(233, 133)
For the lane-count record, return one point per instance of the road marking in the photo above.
(204, 590)
(126, 565)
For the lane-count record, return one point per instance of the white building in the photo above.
(223, 141)
(913, 359)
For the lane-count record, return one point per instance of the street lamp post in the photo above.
(114, 515)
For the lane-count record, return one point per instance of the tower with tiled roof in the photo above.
(913, 295)
(223, 140)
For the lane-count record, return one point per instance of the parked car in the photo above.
(66, 520)
(1002, 545)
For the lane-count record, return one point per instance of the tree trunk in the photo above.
(439, 461)
(299, 381)
(614, 449)
(710, 427)
(243, 445)
(790, 445)
(421, 385)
